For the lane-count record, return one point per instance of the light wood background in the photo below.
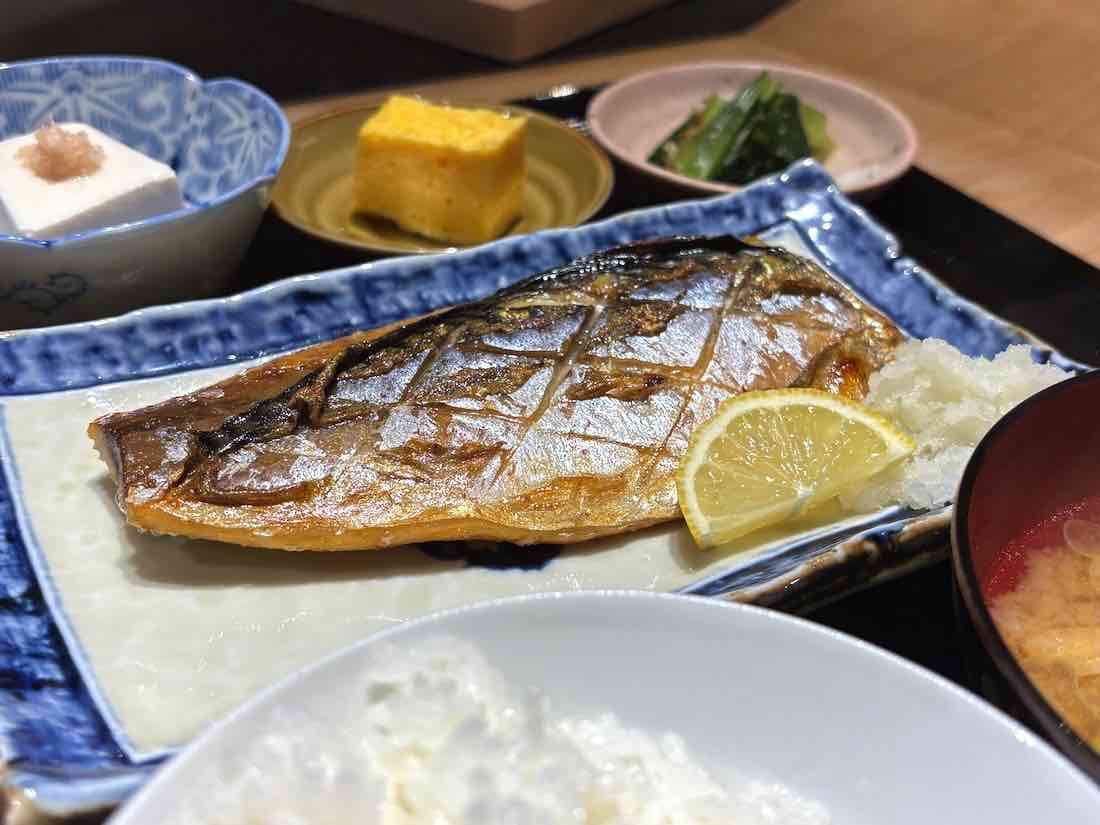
(1005, 94)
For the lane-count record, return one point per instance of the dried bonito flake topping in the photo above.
(57, 155)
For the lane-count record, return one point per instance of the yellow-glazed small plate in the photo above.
(568, 179)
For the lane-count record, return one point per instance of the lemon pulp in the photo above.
(768, 456)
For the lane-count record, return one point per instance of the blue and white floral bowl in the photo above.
(226, 141)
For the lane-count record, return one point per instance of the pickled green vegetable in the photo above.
(702, 154)
(774, 140)
(761, 130)
(665, 153)
(813, 123)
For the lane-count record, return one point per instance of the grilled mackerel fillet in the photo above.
(553, 411)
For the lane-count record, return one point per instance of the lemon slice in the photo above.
(768, 456)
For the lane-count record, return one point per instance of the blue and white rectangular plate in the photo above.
(118, 647)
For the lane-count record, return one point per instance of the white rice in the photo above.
(435, 735)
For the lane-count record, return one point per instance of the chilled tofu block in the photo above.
(69, 177)
(447, 173)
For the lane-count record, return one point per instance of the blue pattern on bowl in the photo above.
(58, 738)
(220, 136)
(44, 297)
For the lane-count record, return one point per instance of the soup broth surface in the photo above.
(1044, 592)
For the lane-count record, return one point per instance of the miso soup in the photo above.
(1046, 604)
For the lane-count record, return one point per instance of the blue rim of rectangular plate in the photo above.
(55, 735)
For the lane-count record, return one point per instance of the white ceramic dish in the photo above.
(753, 692)
(875, 142)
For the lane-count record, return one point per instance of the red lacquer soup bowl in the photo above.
(1039, 466)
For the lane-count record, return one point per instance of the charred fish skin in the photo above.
(553, 411)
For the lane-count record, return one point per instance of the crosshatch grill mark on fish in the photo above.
(551, 412)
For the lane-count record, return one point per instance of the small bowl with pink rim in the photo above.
(875, 141)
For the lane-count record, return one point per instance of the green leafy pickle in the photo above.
(702, 154)
(776, 140)
(761, 130)
(813, 123)
(666, 151)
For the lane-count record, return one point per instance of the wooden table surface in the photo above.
(1002, 92)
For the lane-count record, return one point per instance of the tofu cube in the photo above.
(127, 186)
(447, 173)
